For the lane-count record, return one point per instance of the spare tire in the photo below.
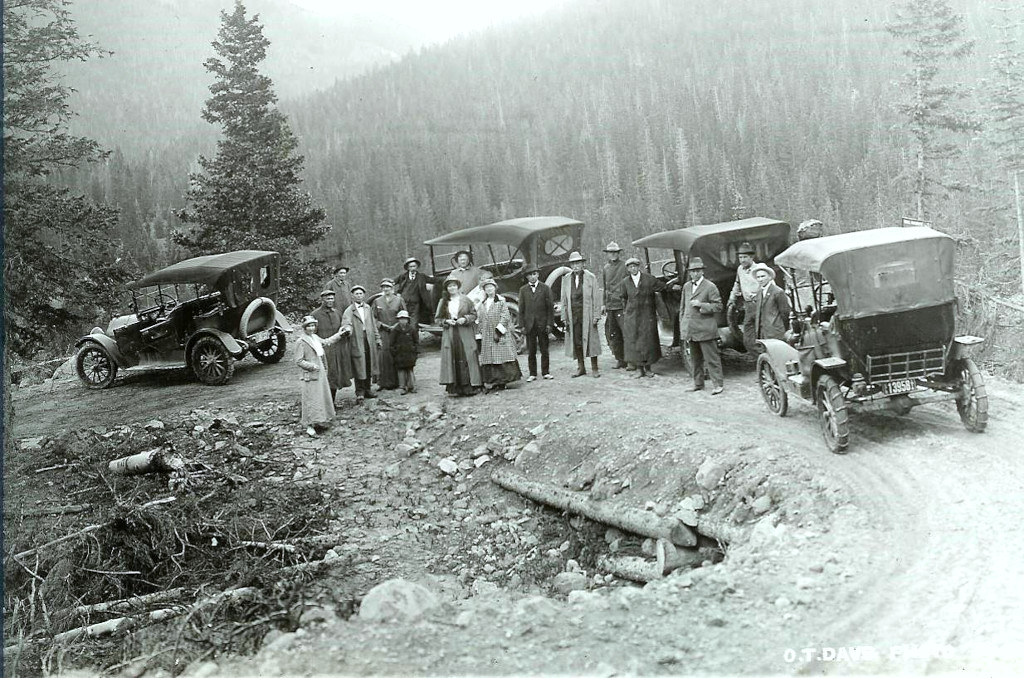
(259, 315)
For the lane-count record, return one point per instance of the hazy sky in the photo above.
(440, 19)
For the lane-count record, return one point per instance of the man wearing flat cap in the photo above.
(341, 287)
(336, 355)
(612, 275)
(581, 305)
(536, 320)
(641, 342)
(773, 307)
(744, 295)
(364, 342)
(411, 285)
(698, 326)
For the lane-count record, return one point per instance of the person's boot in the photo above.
(640, 371)
(619, 364)
(580, 369)
(593, 368)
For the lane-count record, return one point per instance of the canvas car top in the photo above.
(207, 269)
(509, 232)
(882, 270)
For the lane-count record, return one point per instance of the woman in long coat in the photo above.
(385, 312)
(317, 404)
(498, 363)
(641, 342)
(460, 371)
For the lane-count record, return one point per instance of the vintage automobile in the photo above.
(873, 328)
(503, 249)
(206, 313)
(669, 252)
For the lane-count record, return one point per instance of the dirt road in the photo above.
(903, 556)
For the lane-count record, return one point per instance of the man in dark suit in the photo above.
(698, 326)
(536, 319)
(613, 274)
(772, 305)
(411, 285)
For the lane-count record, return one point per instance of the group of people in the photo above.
(346, 340)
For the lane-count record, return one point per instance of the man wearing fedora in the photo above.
(642, 344)
(468, 275)
(363, 343)
(411, 285)
(341, 287)
(612, 275)
(744, 295)
(336, 355)
(536, 320)
(698, 326)
(773, 307)
(581, 307)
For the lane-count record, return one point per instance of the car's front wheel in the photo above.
(95, 366)
(211, 361)
(772, 389)
(272, 350)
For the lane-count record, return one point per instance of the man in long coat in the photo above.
(700, 303)
(612, 275)
(641, 343)
(772, 305)
(581, 303)
(536, 320)
(411, 285)
(358, 321)
(341, 287)
(336, 355)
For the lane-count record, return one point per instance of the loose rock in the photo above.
(396, 599)
(569, 581)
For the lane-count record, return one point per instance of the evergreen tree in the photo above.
(934, 37)
(1007, 106)
(63, 266)
(248, 196)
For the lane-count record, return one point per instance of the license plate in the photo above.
(899, 386)
(260, 337)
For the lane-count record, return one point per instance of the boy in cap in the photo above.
(698, 326)
(612, 275)
(744, 294)
(536, 320)
(581, 314)
(403, 352)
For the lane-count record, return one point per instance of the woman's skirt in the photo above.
(502, 374)
(463, 380)
(388, 378)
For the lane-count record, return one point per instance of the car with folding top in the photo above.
(873, 328)
(503, 250)
(669, 252)
(205, 313)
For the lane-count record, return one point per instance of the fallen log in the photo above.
(633, 568)
(625, 518)
(131, 623)
(270, 546)
(126, 604)
(56, 510)
(150, 461)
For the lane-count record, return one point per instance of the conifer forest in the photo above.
(633, 116)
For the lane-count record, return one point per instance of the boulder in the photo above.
(710, 474)
(396, 600)
(448, 466)
(564, 582)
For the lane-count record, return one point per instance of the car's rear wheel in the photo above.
(772, 389)
(972, 401)
(518, 338)
(833, 416)
(211, 361)
(272, 350)
(95, 366)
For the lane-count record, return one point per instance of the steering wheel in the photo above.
(162, 303)
(668, 269)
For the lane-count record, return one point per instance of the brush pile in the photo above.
(203, 550)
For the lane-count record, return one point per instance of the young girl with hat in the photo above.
(402, 347)
(317, 404)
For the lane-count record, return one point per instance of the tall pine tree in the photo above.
(933, 37)
(249, 196)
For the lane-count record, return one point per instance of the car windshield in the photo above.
(156, 295)
(497, 258)
(662, 263)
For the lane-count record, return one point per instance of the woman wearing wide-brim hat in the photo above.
(317, 405)
(460, 369)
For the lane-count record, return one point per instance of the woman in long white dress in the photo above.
(317, 404)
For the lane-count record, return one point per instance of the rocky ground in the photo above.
(902, 556)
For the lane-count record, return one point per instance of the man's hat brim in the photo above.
(411, 260)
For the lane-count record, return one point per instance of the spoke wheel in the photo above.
(518, 338)
(833, 416)
(972, 401)
(211, 361)
(272, 350)
(772, 390)
(95, 367)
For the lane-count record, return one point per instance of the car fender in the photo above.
(828, 365)
(110, 345)
(779, 353)
(962, 344)
(253, 306)
(230, 343)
